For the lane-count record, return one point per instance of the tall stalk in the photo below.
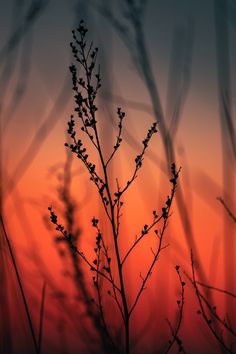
(86, 88)
(21, 287)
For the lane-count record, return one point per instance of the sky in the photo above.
(183, 77)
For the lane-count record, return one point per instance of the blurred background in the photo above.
(165, 61)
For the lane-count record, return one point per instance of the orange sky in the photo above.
(198, 148)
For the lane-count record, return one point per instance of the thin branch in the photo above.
(226, 292)
(68, 237)
(212, 310)
(138, 160)
(166, 212)
(175, 331)
(121, 116)
(207, 320)
(144, 233)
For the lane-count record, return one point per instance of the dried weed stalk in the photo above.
(86, 87)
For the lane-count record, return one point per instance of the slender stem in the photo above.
(221, 200)
(175, 331)
(226, 292)
(112, 215)
(21, 287)
(41, 318)
(113, 224)
(212, 311)
(112, 280)
(217, 336)
(156, 255)
(100, 306)
(149, 272)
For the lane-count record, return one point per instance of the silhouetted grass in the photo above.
(40, 336)
(27, 311)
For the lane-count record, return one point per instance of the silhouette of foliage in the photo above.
(86, 87)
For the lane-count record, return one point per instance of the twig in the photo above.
(166, 212)
(68, 238)
(207, 320)
(226, 292)
(212, 310)
(175, 331)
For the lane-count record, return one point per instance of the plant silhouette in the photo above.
(107, 265)
(105, 308)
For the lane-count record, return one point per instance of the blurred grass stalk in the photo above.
(228, 140)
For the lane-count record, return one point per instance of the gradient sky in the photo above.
(36, 100)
